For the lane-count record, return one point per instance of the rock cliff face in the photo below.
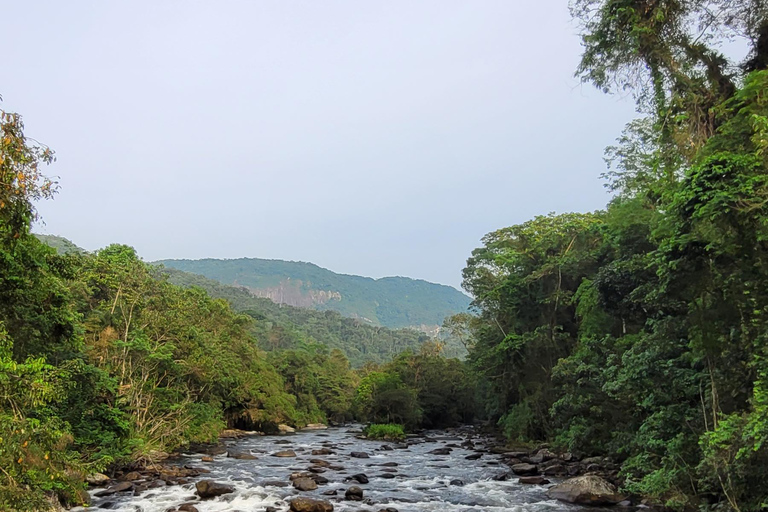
(294, 293)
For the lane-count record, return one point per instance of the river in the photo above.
(422, 481)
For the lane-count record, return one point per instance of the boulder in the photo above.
(533, 480)
(457, 482)
(474, 456)
(440, 451)
(542, 455)
(284, 453)
(285, 429)
(188, 507)
(207, 458)
(360, 478)
(97, 479)
(586, 490)
(322, 451)
(309, 505)
(131, 477)
(121, 487)
(387, 476)
(525, 469)
(211, 489)
(358, 455)
(305, 484)
(354, 493)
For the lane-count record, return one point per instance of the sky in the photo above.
(370, 138)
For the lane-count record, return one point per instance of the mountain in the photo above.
(393, 302)
(286, 327)
(61, 244)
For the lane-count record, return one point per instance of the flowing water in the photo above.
(422, 481)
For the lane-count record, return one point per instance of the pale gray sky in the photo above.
(373, 138)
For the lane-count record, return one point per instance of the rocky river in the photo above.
(445, 471)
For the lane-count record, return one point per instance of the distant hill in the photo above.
(61, 244)
(287, 327)
(390, 302)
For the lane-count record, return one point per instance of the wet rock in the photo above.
(109, 491)
(240, 455)
(315, 426)
(131, 477)
(568, 457)
(270, 509)
(285, 429)
(386, 448)
(556, 470)
(388, 509)
(322, 451)
(305, 484)
(97, 479)
(525, 469)
(360, 478)
(389, 470)
(283, 441)
(387, 476)
(275, 483)
(457, 482)
(359, 455)
(533, 480)
(502, 477)
(389, 464)
(586, 490)
(354, 493)
(474, 456)
(188, 507)
(331, 492)
(284, 453)
(400, 446)
(207, 458)
(440, 451)
(320, 463)
(310, 505)
(542, 455)
(319, 480)
(211, 489)
(301, 474)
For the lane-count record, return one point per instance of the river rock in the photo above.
(211, 489)
(359, 455)
(320, 463)
(285, 429)
(319, 479)
(525, 469)
(305, 484)
(555, 470)
(207, 458)
(386, 476)
(322, 451)
(121, 487)
(284, 453)
(131, 477)
(474, 456)
(315, 426)
(586, 490)
(97, 479)
(360, 478)
(533, 480)
(542, 455)
(310, 505)
(354, 493)
(440, 451)
(458, 483)
(240, 455)
(188, 507)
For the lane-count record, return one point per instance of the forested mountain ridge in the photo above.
(286, 327)
(390, 302)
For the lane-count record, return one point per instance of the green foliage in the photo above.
(385, 431)
(283, 327)
(394, 302)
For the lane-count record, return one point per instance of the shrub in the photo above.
(388, 431)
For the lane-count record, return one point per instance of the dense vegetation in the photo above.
(393, 302)
(280, 327)
(639, 332)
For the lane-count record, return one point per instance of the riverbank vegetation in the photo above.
(639, 331)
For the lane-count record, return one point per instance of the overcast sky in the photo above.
(373, 138)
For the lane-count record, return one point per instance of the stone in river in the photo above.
(354, 493)
(586, 490)
(457, 482)
(121, 487)
(474, 456)
(305, 484)
(358, 455)
(525, 469)
(211, 489)
(322, 451)
(386, 475)
(188, 507)
(360, 478)
(309, 505)
(97, 479)
(440, 451)
(533, 480)
(284, 453)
